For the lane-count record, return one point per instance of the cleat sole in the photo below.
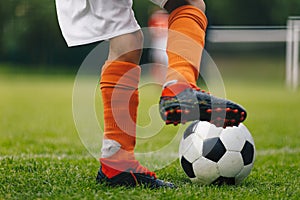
(184, 108)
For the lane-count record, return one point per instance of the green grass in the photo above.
(42, 156)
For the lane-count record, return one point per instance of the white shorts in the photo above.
(88, 21)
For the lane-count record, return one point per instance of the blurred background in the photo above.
(38, 71)
(30, 39)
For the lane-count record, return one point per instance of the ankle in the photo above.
(113, 168)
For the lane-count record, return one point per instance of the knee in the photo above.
(173, 4)
(139, 39)
(127, 47)
(197, 3)
(133, 48)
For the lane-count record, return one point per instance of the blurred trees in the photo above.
(29, 31)
(29, 34)
(251, 12)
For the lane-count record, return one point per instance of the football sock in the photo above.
(119, 87)
(187, 25)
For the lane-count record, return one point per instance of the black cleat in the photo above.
(133, 179)
(181, 103)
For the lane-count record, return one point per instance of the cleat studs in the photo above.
(218, 109)
(235, 111)
(208, 110)
(171, 111)
(166, 113)
(243, 113)
(178, 111)
(228, 109)
(220, 119)
(186, 111)
(233, 121)
(242, 119)
(168, 122)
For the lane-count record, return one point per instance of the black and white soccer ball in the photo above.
(216, 155)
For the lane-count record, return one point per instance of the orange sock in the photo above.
(119, 83)
(187, 25)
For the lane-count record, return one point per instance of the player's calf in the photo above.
(171, 5)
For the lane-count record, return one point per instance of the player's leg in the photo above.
(171, 5)
(119, 87)
(127, 48)
(181, 99)
(88, 21)
(187, 25)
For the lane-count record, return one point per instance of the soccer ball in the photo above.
(216, 155)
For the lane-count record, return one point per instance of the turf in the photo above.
(42, 156)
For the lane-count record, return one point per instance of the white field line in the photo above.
(284, 150)
(47, 155)
(264, 152)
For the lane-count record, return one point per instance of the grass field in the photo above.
(42, 157)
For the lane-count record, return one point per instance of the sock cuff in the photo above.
(191, 12)
(174, 89)
(119, 74)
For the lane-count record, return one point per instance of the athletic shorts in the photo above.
(88, 21)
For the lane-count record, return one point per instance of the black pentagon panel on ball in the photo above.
(224, 181)
(190, 129)
(187, 167)
(213, 149)
(247, 153)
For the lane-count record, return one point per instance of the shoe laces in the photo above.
(134, 177)
(143, 170)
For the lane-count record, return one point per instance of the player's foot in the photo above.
(182, 102)
(134, 177)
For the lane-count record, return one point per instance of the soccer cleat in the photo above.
(181, 103)
(132, 178)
